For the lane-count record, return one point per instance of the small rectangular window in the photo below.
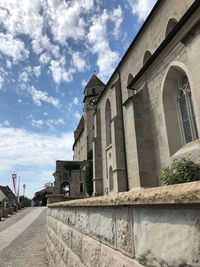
(93, 91)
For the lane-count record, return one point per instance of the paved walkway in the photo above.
(22, 239)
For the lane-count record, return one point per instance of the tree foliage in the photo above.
(181, 171)
(89, 173)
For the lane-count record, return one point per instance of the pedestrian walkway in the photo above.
(23, 243)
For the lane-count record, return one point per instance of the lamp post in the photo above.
(24, 187)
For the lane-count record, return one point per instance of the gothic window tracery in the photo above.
(108, 123)
(186, 111)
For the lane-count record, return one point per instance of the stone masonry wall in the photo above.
(142, 227)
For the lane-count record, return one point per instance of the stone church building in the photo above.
(148, 113)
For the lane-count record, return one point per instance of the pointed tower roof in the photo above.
(94, 81)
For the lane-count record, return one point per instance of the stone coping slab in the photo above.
(186, 193)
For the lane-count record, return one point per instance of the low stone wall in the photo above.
(142, 227)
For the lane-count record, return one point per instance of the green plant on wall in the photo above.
(181, 171)
(89, 174)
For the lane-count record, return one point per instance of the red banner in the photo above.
(14, 178)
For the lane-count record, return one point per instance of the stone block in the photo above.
(111, 258)
(167, 237)
(73, 260)
(90, 251)
(102, 225)
(82, 220)
(66, 235)
(77, 243)
(124, 231)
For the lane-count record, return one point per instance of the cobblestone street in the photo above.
(22, 239)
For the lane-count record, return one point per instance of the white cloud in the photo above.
(23, 77)
(59, 72)
(75, 101)
(32, 149)
(19, 100)
(1, 82)
(44, 58)
(22, 17)
(79, 62)
(66, 18)
(83, 83)
(45, 114)
(117, 18)
(51, 123)
(6, 123)
(42, 44)
(13, 48)
(97, 36)
(54, 122)
(141, 8)
(37, 71)
(37, 123)
(8, 64)
(77, 115)
(42, 96)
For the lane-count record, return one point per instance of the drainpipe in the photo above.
(123, 129)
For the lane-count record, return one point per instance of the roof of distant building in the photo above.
(79, 128)
(7, 192)
(94, 81)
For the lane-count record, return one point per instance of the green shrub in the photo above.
(181, 171)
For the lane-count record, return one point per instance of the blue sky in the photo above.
(48, 51)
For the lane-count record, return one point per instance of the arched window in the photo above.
(111, 179)
(178, 109)
(65, 188)
(186, 111)
(108, 123)
(147, 56)
(170, 25)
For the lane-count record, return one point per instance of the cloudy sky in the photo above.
(48, 51)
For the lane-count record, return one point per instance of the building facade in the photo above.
(149, 112)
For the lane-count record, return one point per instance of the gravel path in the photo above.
(29, 248)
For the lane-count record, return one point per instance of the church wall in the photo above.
(106, 150)
(151, 38)
(153, 81)
(80, 148)
(113, 155)
(97, 156)
(186, 58)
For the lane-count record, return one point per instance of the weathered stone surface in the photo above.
(54, 257)
(102, 225)
(66, 235)
(73, 260)
(124, 231)
(82, 220)
(90, 251)
(166, 236)
(172, 194)
(77, 243)
(112, 258)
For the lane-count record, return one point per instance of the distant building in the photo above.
(69, 175)
(6, 193)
